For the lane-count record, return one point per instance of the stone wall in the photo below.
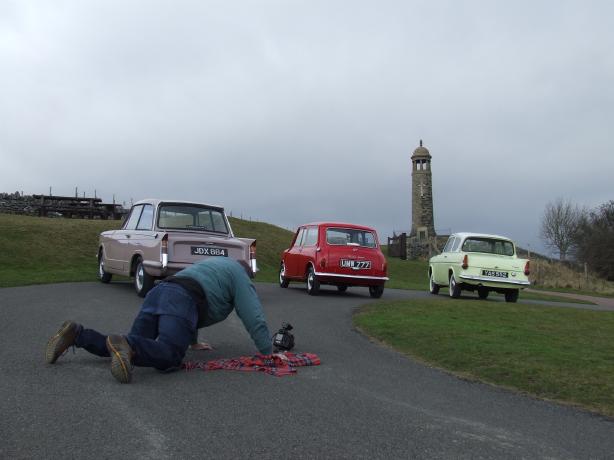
(58, 206)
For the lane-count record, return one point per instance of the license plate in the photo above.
(209, 251)
(355, 264)
(495, 273)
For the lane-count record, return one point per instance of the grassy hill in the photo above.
(37, 250)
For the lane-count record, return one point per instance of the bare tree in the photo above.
(595, 240)
(559, 225)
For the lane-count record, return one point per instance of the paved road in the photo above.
(604, 303)
(364, 401)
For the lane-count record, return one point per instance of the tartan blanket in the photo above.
(268, 364)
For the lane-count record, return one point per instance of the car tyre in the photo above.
(102, 274)
(512, 295)
(483, 293)
(342, 288)
(143, 281)
(433, 287)
(313, 284)
(376, 291)
(283, 281)
(455, 290)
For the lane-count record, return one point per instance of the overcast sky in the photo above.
(294, 111)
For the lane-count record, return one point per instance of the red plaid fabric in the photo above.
(268, 364)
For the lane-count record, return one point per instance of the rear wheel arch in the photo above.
(307, 267)
(133, 262)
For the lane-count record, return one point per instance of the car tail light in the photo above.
(164, 250)
(252, 258)
(323, 263)
(465, 262)
(527, 268)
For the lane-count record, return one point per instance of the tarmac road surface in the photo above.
(363, 401)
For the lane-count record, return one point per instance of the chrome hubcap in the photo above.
(101, 268)
(310, 281)
(139, 277)
(282, 273)
(452, 284)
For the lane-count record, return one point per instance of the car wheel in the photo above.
(433, 287)
(455, 290)
(376, 291)
(342, 288)
(313, 285)
(511, 295)
(103, 275)
(283, 282)
(143, 281)
(483, 293)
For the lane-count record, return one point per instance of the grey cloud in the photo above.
(297, 111)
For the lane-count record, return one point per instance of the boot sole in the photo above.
(119, 369)
(51, 354)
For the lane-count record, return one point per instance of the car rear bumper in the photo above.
(492, 281)
(350, 279)
(156, 269)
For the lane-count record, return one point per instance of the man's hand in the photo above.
(281, 356)
(201, 346)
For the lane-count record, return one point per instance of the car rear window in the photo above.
(350, 237)
(489, 246)
(190, 217)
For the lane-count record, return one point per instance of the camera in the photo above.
(283, 340)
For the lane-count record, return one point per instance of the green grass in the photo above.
(35, 250)
(560, 354)
(270, 243)
(407, 274)
(38, 250)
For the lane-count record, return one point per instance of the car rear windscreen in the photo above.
(350, 237)
(488, 246)
(189, 217)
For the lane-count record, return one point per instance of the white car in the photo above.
(479, 262)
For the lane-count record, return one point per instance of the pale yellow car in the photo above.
(479, 262)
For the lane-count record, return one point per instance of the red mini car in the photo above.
(334, 253)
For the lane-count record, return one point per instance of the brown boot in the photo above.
(121, 358)
(59, 343)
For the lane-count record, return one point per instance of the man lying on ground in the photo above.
(167, 324)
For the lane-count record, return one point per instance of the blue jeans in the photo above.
(158, 340)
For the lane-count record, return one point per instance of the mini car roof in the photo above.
(338, 224)
(464, 235)
(157, 201)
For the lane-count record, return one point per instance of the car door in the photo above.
(307, 250)
(441, 263)
(124, 239)
(114, 244)
(142, 239)
(291, 259)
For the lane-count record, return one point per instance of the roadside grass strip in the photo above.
(554, 353)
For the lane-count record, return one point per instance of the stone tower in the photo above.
(422, 222)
